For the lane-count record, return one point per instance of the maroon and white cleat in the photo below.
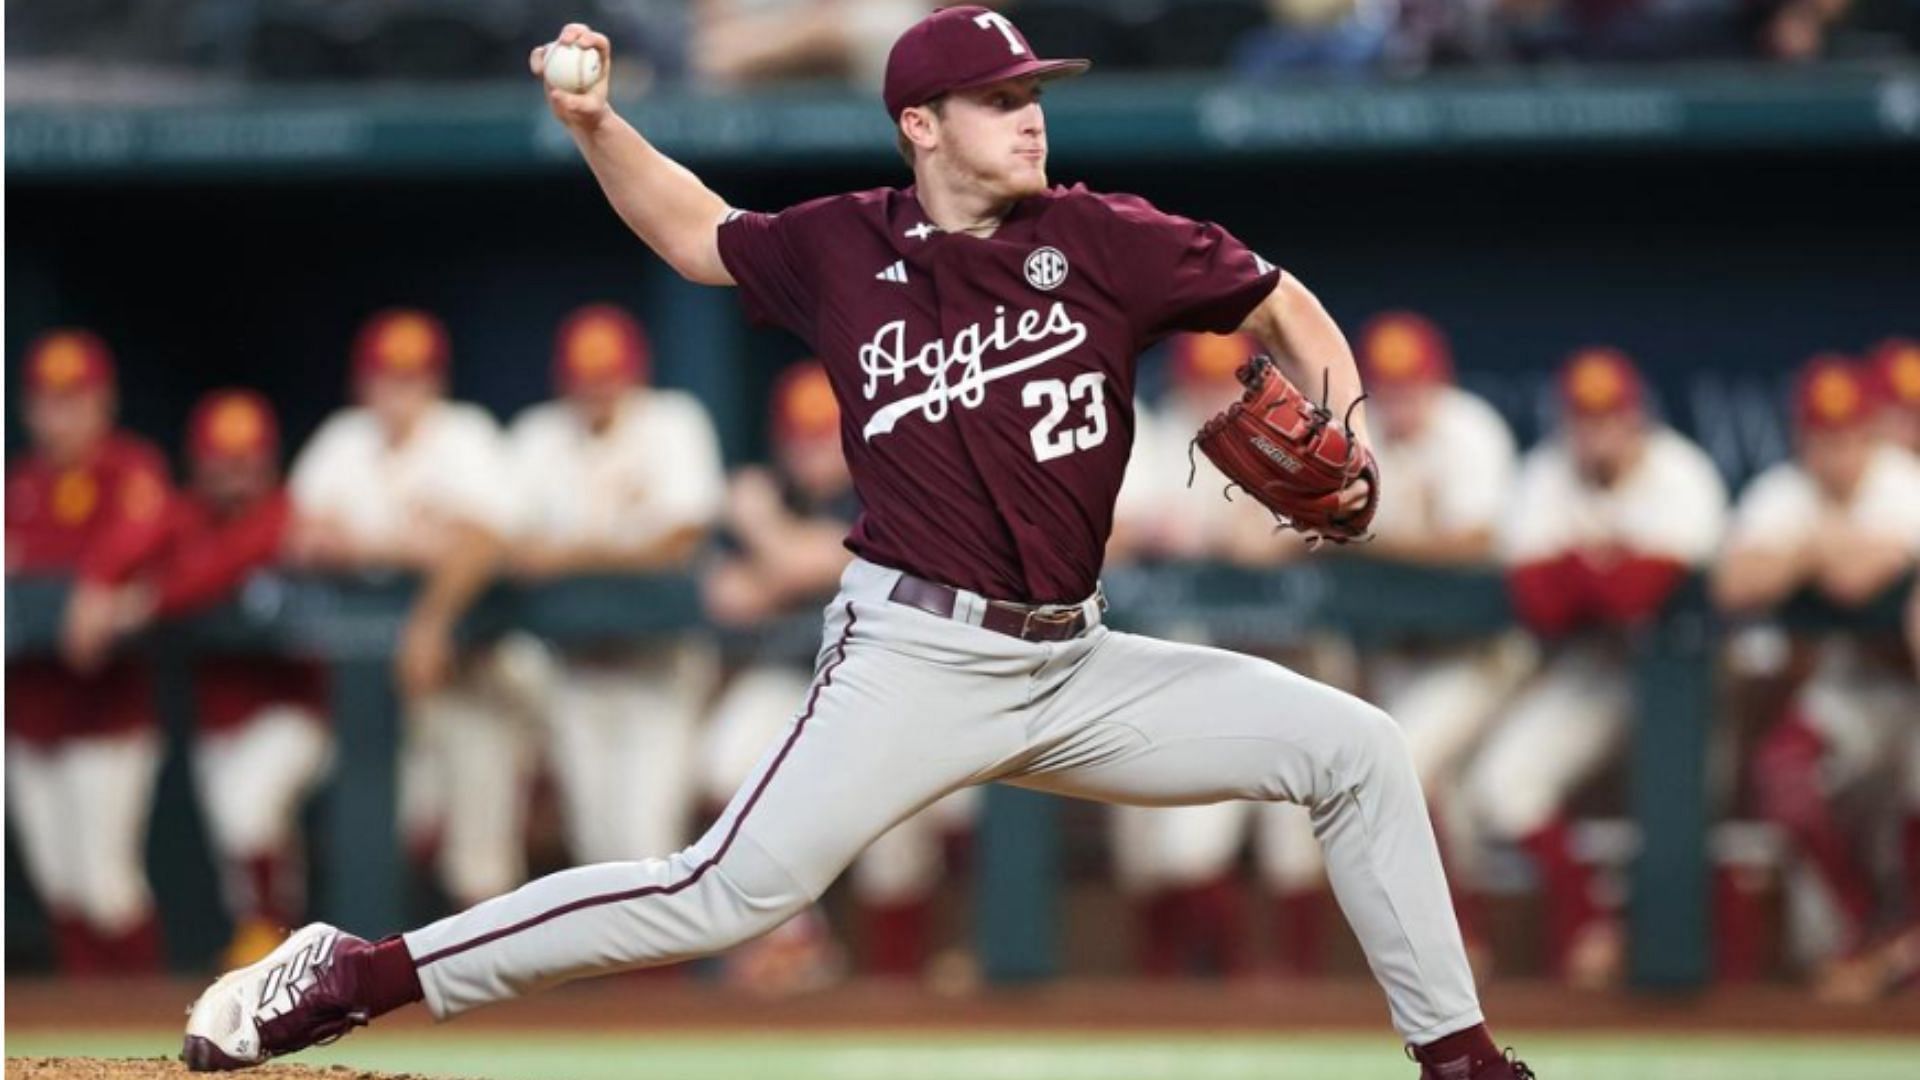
(1505, 1067)
(306, 992)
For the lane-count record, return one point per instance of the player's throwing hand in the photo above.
(585, 109)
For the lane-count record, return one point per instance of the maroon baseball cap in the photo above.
(958, 48)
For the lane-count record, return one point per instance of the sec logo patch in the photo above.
(1046, 268)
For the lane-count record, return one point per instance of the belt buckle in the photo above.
(1059, 618)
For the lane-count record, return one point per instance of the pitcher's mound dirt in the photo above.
(80, 1068)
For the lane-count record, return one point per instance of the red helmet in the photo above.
(1831, 393)
(1404, 347)
(69, 361)
(401, 341)
(600, 343)
(233, 424)
(1600, 380)
(803, 403)
(1896, 370)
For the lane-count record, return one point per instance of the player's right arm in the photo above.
(662, 201)
(1769, 553)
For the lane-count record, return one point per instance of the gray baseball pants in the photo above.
(905, 707)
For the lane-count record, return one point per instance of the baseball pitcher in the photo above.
(979, 328)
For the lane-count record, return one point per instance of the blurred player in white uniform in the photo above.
(1609, 517)
(788, 525)
(1841, 519)
(407, 480)
(618, 477)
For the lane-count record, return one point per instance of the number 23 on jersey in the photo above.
(1056, 434)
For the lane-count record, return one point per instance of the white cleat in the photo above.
(303, 993)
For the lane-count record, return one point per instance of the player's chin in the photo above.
(1027, 177)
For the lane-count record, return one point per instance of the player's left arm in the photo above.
(670, 550)
(470, 557)
(1310, 348)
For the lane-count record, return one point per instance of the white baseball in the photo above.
(573, 69)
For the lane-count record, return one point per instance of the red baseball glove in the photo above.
(1287, 452)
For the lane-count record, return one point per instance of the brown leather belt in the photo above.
(1023, 621)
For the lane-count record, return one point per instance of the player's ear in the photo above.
(918, 126)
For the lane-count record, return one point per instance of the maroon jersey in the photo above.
(100, 521)
(209, 557)
(986, 385)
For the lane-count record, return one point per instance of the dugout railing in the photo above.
(352, 625)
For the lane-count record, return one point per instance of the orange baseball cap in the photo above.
(1896, 371)
(1600, 380)
(803, 403)
(401, 341)
(1404, 347)
(1201, 360)
(69, 361)
(600, 343)
(233, 424)
(1831, 393)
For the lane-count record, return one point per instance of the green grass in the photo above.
(1025, 1056)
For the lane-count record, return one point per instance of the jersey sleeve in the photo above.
(471, 470)
(529, 470)
(1475, 486)
(1892, 506)
(1775, 512)
(693, 484)
(322, 477)
(207, 571)
(773, 261)
(1687, 518)
(1174, 273)
(1541, 526)
(136, 520)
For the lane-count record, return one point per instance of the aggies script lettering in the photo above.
(955, 371)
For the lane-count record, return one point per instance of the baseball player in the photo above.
(1842, 518)
(262, 743)
(407, 480)
(618, 477)
(88, 503)
(979, 329)
(1609, 518)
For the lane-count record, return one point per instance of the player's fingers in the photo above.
(570, 32)
(537, 60)
(594, 39)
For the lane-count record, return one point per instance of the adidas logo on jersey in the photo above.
(897, 273)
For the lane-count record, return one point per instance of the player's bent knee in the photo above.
(1376, 739)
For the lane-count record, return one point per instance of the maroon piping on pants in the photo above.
(826, 679)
